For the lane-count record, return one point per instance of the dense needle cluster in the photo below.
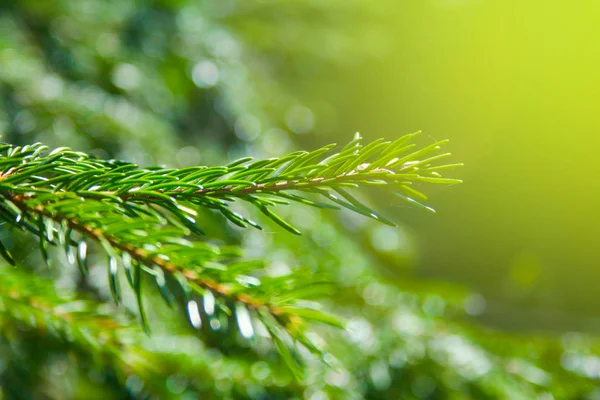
(146, 220)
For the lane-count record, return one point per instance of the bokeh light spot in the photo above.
(126, 76)
(300, 119)
(247, 127)
(205, 74)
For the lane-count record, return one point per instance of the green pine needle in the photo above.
(145, 219)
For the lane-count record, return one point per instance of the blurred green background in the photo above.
(513, 84)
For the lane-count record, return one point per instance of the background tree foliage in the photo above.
(188, 83)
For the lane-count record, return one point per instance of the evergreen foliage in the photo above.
(143, 219)
(231, 312)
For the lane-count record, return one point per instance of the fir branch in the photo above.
(210, 280)
(113, 340)
(143, 219)
(263, 183)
